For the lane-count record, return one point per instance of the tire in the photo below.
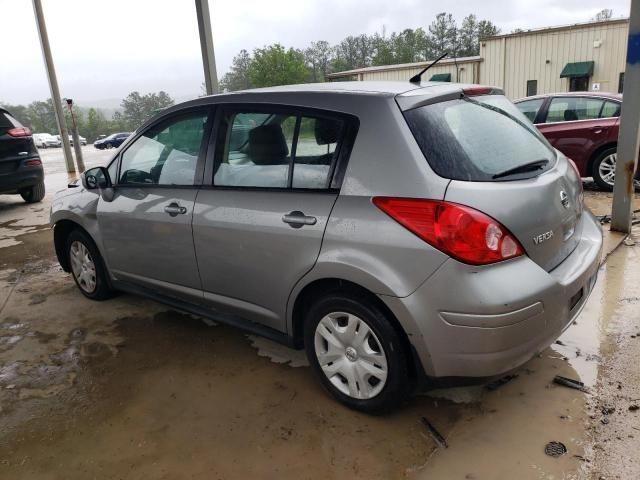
(376, 362)
(87, 266)
(33, 194)
(601, 166)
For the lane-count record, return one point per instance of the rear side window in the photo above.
(570, 109)
(475, 139)
(7, 122)
(277, 149)
(530, 108)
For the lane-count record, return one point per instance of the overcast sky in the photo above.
(105, 49)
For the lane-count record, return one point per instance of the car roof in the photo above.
(606, 95)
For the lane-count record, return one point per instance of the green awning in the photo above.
(577, 69)
(440, 77)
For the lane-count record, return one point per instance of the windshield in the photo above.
(475, 139)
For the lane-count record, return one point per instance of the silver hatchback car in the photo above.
(403, 234)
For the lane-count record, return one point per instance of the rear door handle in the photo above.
(599, 129)
(297, 219)
(174, 209)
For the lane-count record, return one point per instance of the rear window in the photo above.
(7, 122)
(474, 139)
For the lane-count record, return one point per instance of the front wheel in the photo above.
(357, 354)
(87, 267)
(33, 194)
(604, 169)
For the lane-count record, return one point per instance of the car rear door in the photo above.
(573, 126)
(261, 215)
(146, 228)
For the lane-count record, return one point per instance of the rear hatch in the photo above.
(499, 164)
(14, 148)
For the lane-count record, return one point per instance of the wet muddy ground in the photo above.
(128, 388)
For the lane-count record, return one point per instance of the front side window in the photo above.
(611, 110)
(276, 150)
(167, 153)
(569, 109)
(530, 108)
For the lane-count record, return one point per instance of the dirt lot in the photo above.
(131, 389)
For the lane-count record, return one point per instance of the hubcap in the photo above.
(607, 168)
(350, 355)
(82, 266)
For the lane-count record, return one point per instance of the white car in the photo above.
(83, 141)
(45, 140)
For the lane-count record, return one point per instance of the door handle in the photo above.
(598, 129)
(174, 209)
(297, 219)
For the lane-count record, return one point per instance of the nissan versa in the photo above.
(401, 233)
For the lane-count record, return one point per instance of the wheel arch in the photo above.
(322, 286)
(61, 231)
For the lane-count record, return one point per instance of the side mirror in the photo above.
(96, 178)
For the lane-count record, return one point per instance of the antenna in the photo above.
(418, 78)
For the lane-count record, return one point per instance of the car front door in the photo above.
(258, 226)
(146, 227)
(573, 126)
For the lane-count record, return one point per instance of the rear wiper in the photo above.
(527, 167)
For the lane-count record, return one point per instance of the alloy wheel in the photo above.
(607, 168)
(350, 355)
(82, 266)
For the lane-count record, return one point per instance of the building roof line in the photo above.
(404, 66)
(573, 26)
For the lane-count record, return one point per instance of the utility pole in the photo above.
(53, 84)
(77, 146)
(629, 138)
(206, 46)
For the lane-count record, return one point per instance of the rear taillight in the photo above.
(19, 132)
(459, 231)
(32, 163)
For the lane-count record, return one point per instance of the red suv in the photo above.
(583, 126)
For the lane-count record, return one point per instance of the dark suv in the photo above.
(20, 165)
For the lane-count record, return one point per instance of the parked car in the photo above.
(100, 137)
(584, 126)
(20, 165)
(340, 225)
(83, 141)
(112, 141)
(45, 140)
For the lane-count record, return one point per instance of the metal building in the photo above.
(580, 57)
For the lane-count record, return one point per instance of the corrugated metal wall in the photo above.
(542, 56)
(468, 73)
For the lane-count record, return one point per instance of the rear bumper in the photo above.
(23, 177)
(467, 321)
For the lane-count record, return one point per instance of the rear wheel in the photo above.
(87, 267)
(357, 354)
(604, 169)
(33, 194)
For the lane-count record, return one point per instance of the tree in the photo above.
(139, 108)
(486, 28)
(353, 52)
(238, 77)
(468, 42)
(443, 33)
(273, 65)
(602, 15)
(318, 59)
(383, 50)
